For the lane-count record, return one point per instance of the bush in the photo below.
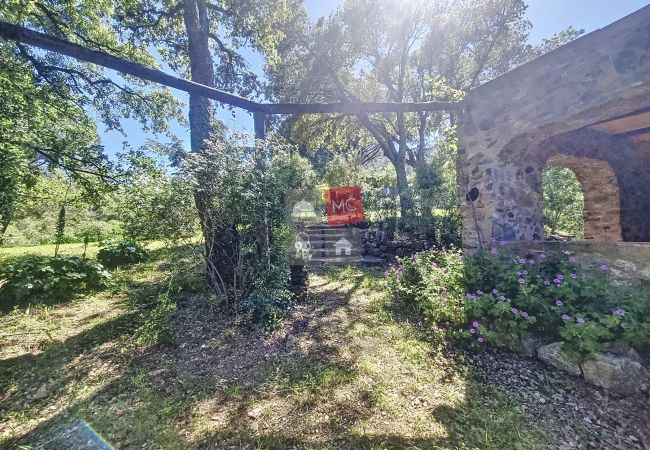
(492, 297)
(121, 254)
(270, 300)
(52, 279)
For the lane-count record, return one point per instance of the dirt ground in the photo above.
(347, 369)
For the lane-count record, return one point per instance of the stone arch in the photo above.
(600, 188)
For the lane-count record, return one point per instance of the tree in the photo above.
(43, 122)
(400, 51)
(382, 50)
(41, 132)
(198, 38)
(154, 203)
(563, 202)
(202, 39)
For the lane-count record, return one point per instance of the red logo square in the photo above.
(344, 205)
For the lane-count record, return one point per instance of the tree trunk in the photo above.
(4, 224)
(403, 191)
(220, 243)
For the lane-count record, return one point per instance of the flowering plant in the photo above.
(494, 297)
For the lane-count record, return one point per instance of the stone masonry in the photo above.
(547, 112)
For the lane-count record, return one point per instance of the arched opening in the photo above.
(563, 204)
(601, 211)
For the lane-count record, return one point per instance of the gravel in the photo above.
(579, 415)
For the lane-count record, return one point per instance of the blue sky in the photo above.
(547, 16)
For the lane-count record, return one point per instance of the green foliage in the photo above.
(270, 300)
(563, 202)
(155, 329)
(156, 205)
(496, 298)
(243, 192)
(48, 279)
(122, 253)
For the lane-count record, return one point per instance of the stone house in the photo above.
(584, 106)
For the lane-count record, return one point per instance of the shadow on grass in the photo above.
(312, 396)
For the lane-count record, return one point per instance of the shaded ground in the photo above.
(347, 370)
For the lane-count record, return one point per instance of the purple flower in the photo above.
(494, 291)
(547, 283)
(522, 260)
(472, 330)
(580, 320)
(493, 251)
(502, 298)
(541, 256)
(557, 281)
(518, 274)
(559, 276)
(531, 261)
(574, 276)
(604, 267)
(514, 310)
(572, 259)
(480, 339)
(525, 272)
(524, 314)
(565, 317)
(444, 288)
(619, 312)
(479, 292)
(493, 239)
(476, 324)
(435, 328)
(559, 302)
(502, 242)
(521, 281)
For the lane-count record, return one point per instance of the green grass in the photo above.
(76, 249)
(361, 375)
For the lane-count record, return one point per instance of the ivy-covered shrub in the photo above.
(49, 279)
(493, 297)
(270, 300)
(121, 254)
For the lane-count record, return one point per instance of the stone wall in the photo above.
(513, 125)
(377, 243)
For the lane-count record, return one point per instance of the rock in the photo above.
(290, 342)
(553, 355)
(41, 393)
(619, 374)
(621, 348)
(530, 344)
(255, 413)
(526, 345)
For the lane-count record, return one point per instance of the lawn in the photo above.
(348, 369)
(76, 249)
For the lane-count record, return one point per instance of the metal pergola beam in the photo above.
(24, 35)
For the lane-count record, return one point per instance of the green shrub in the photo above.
(121, 254)
(48, 279)
(270, 300)
(493, 297)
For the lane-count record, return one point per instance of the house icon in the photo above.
(343, 246)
